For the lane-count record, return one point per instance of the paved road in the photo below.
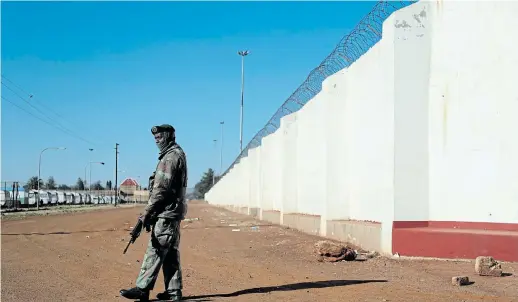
(78, 257)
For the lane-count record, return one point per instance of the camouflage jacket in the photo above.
(168, 184)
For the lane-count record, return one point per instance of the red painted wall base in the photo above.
(446, 239)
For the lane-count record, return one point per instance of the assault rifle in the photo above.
(135, 233)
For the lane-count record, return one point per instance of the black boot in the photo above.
(171, 296)
(135, 293)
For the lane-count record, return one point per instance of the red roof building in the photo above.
(129, 185)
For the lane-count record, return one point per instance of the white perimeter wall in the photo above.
(421, 127)
(289, 133)
(311, 157)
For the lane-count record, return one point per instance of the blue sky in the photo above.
(109, 71)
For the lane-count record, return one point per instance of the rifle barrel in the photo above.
(129, 242)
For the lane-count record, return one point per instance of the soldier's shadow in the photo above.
(286, 287)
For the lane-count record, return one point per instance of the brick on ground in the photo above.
(487, 266)
(460, 280)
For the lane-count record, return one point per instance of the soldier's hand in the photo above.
(146, 220)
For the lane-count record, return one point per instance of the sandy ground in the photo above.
(77, 256)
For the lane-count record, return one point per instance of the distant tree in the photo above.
(32, 184)
(80, 184)
(204, 185)
(109, 185)
(51, 183)
(63, 187)
(97, 186)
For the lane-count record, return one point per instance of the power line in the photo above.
(31, 95)
(22, 98)
(26, 111)
(57, 125)
(47, 122)
(51, 120)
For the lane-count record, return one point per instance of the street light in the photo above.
(39, 172)
(243, 54)
(90, 163)
(84, 179)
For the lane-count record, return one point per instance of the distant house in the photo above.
(129, 185)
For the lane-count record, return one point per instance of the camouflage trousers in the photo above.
(162, 251)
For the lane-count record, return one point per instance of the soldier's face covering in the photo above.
(163, 140)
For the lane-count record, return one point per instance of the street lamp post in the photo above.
(90, 163)
(243, 54)
(84, 179)
(39, 172)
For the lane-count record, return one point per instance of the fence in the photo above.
(13, 196)
(349, 49)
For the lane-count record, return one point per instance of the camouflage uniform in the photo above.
(165, 210)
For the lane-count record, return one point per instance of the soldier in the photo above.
(165, 210)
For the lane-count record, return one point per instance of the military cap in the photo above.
(162, 128)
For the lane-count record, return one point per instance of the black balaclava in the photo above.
(168, 136)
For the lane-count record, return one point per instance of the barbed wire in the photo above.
(365, 35)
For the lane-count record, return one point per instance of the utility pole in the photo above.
(221, 150)
(116, 163)
(243, 54)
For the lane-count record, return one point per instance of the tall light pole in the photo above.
(221, 150)
(243, 54)
(39, 172)
(90, 163)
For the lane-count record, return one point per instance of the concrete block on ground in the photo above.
(305, 223)
(272, 216)
(254, 212)
(487, 266)
(460, 280)
(366, 235)
(241, 210)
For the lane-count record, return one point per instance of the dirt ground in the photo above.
(77, 256)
